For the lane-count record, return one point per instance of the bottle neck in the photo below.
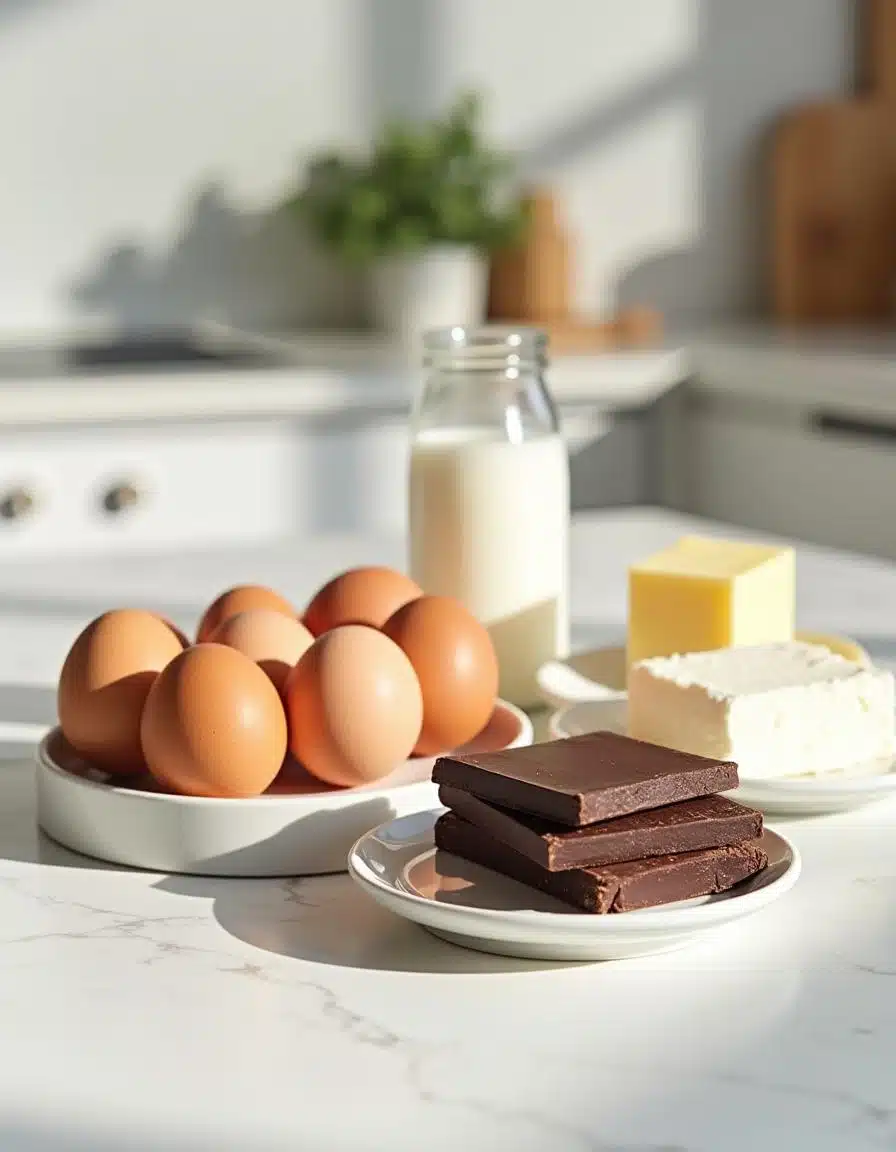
(482, 389)
(491, 351)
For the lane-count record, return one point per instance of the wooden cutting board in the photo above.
(834, 196)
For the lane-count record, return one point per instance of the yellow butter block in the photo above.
(703, 594)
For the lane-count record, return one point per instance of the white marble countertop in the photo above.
(316, 375)
(154, 1012)
(834, 370)
(344, 374)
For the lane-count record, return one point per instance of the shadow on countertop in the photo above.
(329, 920)
(322, 919)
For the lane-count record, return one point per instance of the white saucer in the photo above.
(796, 796)
(299, 827)
(399, 866)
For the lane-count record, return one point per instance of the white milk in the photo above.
(489, 525)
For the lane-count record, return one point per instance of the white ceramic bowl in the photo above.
(299, 827)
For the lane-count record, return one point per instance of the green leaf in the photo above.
(421, 183)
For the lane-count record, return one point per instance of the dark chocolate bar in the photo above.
(707, 822)
(584, 779)
(613, 887)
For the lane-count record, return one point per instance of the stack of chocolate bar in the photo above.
(601, 821)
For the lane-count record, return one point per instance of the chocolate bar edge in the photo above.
(561, 807)
(552, 853)
(575, 810)
(582, 889)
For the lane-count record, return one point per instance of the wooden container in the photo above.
(530, 285)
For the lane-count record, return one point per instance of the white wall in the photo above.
(143, 141)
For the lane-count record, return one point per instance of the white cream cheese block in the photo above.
(787, 709)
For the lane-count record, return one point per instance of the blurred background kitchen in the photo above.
(201, 343)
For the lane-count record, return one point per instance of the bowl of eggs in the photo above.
(269, 744)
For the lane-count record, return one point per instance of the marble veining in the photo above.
(146, 1012)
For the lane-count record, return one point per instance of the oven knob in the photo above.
(16, 504)
(120, 497)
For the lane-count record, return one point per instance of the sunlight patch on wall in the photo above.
(635, 200)
(552, 66)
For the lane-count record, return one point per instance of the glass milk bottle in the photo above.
(489, 495)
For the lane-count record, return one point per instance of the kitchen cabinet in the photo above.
(824, 477)
(195, 483)
(790, 433)
(146, 446)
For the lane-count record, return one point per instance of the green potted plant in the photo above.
(420, 214)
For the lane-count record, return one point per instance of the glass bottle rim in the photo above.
(487, 347)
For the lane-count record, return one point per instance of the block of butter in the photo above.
(703, 594)
(775, 709)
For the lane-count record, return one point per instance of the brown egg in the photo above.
(104, 683)
(274, 641)
(354, 706)
(214, 725)
(455, 661)
(182, 637)
(359, 596)
(240, 599)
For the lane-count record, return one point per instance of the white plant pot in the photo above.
(437, 288)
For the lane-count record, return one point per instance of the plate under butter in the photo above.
(794, 796)
(597, 673)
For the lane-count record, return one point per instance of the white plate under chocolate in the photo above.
(400, 867)
(791, 796)
(299, 827)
